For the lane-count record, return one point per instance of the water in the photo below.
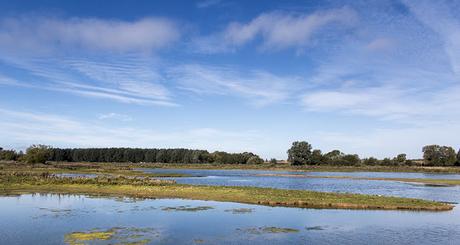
(374, 187)
(46, 219)
(49, 219)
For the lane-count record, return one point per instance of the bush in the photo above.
(37, 154)
(8, 155)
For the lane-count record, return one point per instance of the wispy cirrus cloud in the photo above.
(96, 58)
(126, 79)
(406, 74)
(276, 30)
(259, 87)
(442, 18)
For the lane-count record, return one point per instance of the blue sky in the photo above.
(375, 78)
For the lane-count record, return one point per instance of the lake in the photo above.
(54, 219)
(49, 219)
(374, 187)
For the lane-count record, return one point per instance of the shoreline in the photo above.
(307, 168)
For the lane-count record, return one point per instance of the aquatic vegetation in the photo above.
(187, 208)
(314, 228)
(240, 210)
(115, 235)
(82, 237)
(268, 230)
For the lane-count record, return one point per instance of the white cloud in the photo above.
(4, 80)
(261, 88)
(25, 128)
(44, 34)
(278, 30)
(97, 58)
(207, 3)
(388, 142)
(390, 103)
(115, 116)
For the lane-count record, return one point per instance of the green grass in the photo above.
(249, 195)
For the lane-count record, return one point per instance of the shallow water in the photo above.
(374, 187)
(46, 219)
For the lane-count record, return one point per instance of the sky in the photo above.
(376, 78)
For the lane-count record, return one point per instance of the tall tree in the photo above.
(300, 153)
(436, 155)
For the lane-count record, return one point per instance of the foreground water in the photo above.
(50, 219)
(374, 187)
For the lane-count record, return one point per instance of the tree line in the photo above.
(302, 153)
(43, 153)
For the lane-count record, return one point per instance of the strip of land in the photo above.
(112, 169)
(128, 168)
(434, 182)
(20, 183)
(308, 168)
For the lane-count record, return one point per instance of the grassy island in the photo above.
(146, 187)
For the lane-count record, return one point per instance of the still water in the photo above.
(49, 219)
(374, 187)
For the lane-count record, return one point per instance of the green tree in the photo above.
(300, 153)
(317, 157)
(8, 155)
(400, 159)
(351, 159)
(37, 154)
(458, 157)
(436, 155)
(273, 161)
(255, 160)
(370, 161)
